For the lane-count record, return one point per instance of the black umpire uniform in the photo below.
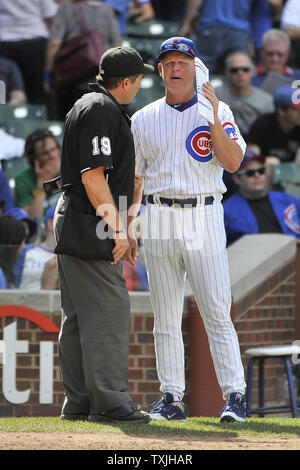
(94, 335)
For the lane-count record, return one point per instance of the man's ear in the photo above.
(159, 69)
(124, 83)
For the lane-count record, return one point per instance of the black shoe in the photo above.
(73, 417)
(129, 412)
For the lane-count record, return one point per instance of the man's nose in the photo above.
(176, 66)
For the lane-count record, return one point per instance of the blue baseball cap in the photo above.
(178, 44)
(287, 96)
(49, 214)
(21, 214)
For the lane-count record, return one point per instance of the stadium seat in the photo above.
(147, 47)
(152, 88)
(10, 113)
(286, 178)
(12, 167)
(284, 353)
(24, 127)
(153, 28)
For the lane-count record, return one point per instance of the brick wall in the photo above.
(267, 317)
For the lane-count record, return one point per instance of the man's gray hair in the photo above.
(275, 35)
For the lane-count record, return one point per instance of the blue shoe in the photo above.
(168, 409)
(235, 409)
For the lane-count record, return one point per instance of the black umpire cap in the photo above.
(122, 62)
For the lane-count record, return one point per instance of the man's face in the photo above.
(253, 180)
(292, 116)
(275, 56)
(177, 71)
(239, 71)
(46, 150)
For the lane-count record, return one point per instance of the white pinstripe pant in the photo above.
(190, 242)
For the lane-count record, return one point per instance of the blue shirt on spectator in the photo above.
(226, 13)
(240, 220)
(3, 284)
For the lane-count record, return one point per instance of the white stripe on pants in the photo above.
(190, 242)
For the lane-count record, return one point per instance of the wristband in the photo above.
(47, 76)
(37, 191)
(123, 230)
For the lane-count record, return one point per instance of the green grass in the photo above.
(194, 428)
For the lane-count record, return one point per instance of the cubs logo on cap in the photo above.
(291, 218)
(178, 44)
(230, 130)
(199, 144)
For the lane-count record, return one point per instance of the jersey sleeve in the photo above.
(97, 135)
(229, 125)
(140, 162)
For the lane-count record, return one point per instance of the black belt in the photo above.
(208, 201)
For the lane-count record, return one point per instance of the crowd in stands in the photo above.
(252, 50)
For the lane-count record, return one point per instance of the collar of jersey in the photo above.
(183, 106)
(96, 87)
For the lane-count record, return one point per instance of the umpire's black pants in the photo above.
(94, 335)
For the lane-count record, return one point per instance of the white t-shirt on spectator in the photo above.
(24, 19)
(291, 14)
(10, 146)
(35, 259)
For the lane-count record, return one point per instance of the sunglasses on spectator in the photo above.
(237, 69)
(251, 173)
(271, 53)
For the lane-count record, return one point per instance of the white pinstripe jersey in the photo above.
(174, 150)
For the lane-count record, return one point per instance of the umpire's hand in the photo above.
(121, 246)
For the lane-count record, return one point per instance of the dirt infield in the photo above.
(101, 441)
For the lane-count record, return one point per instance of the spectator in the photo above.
(223, 26)
(43, 154)
(135, 276)
(11, 75)
(277, 135)
(246, 102)
(29, 224)
(23, 36)
(290, 23)
(275, 54)
(6, 199)
(30, 232)
(10, 146)
(66, 26)
(141, 10)
(12, 242)
(37, 255)
(254, 209)
(121, 9)
(263, 18)
(50, 276)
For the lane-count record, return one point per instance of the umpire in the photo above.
(97, 170)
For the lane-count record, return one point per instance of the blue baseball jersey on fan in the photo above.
(240, 220)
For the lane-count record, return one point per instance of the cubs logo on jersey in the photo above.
(199, 144)
(230, 130)
(291, 218)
